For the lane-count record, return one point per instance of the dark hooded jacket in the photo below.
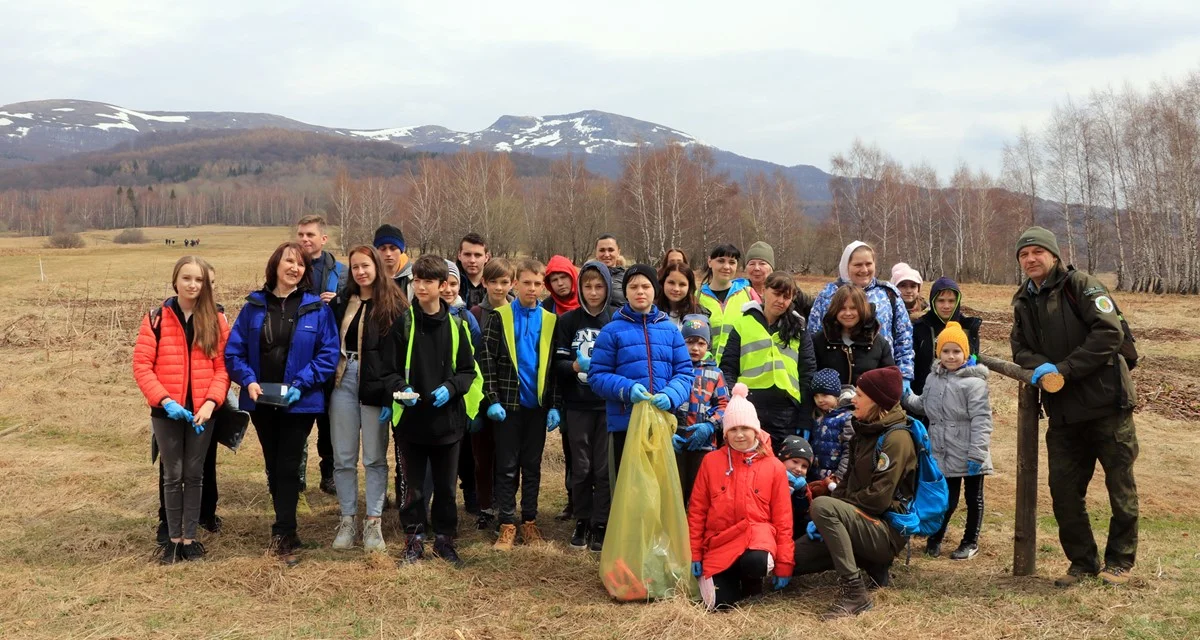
(928, 326)
(576, 332)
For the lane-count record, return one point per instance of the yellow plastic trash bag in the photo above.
(647, 553)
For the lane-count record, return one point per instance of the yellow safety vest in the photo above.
(723, 317)
(474, 394)
(545, 343)
(765, 361)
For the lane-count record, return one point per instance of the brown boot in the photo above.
(1114, 576)
(853, 601)
(508, 536)
(1073, 577)
(530, 533)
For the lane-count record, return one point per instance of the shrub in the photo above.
(130, 236)
(65, 240)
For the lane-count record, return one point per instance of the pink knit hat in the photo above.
(740, 413)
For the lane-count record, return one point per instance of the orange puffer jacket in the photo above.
(738, 506)
(163, 369)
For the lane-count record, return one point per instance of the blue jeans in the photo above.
(351, 422)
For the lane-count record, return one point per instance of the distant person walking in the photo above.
(179, 366)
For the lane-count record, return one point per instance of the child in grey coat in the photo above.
(955, 399)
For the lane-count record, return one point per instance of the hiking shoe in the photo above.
(853, 600)
(878, 575)
(414, 548)
(965, 551)
(470, 503)
(345, 534)
(933, 549)
(565, 514)
(211, 525)
(287, 548)
(486, 520)
(443, 547)
(327, 486)
(597, 543)
(579, 539)
(373, 536)
(1114, 576)
(530, 533)
(508, 536)
(163, 536)
(170, 553)
(193, 551)
(1072, 578)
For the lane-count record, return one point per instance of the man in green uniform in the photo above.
(1065, 322)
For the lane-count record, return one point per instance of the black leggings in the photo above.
(744, 578)
(284, 439)
(974, 487)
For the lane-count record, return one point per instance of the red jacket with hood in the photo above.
(553, 303)
(741, 502)
(163, 368)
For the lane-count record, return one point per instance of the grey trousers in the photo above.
(182, 452)
(351, 423)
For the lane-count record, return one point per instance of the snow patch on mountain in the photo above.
(125, 113)
(27, 116)
(105, 126)
(4, 122)
(385, 135)
(63, 109)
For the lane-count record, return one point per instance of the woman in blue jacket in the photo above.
(639, 356)
(285, 334)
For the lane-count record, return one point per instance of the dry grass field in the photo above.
(77, 508)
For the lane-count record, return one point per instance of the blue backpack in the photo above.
(923, 514)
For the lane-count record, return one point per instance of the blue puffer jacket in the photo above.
(831, 443)
(312, 356)
(894, 323)
(645, 348)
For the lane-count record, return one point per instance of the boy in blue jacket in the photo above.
(639, 357)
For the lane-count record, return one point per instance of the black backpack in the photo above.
(1128, 348)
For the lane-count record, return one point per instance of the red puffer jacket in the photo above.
(162, 369)
(741, 502)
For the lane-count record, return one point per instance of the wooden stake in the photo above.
(1025, 522)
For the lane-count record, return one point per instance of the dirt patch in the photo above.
(1168, 386)
(1165, 334)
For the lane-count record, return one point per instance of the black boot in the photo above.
(414, 547)
(579, 539)
(443, 547)
(853, 600)
(170, 553)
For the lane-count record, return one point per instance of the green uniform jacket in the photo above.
(1084, 346)
(885, 480)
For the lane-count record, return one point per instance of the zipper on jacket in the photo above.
(649, 357)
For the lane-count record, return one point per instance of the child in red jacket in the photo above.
(740, 516)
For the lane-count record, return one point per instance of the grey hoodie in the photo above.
(960, 417)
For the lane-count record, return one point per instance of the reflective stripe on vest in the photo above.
(474, 395)
(545, 343)
(723, 317)
(766, 362)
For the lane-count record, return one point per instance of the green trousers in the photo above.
(1074, 450)
(849, 537)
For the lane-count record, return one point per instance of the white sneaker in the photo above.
(373, 536)
(345, 534)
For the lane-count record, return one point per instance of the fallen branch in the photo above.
(1050, 383)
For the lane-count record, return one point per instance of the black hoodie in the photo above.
(432, 366)
(576, 331)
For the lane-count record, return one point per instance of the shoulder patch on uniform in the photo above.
(883, 463)
(1104, 304)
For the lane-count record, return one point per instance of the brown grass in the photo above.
(77, 519)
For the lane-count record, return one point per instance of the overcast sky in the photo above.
(792, 81)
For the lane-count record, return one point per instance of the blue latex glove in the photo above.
(385, 415)
(797, 482)
(661, 401)
(175, 411)
(584, 362)
(907, 386)
(678, 442)
(441, 396)
(496, 413)
(803, 433)
(475, 425)
(697, 569)
(972, 361)
(780, 583)
(292, 396)
(198, 427)
(638, 393)
(701, 436)
(411, 402)
(1043, 370)
(974, 468)
(812, 532)
(552, 420)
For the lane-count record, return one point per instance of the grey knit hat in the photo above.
(761, 251)
(1038, 237)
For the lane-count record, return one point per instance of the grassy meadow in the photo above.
(77, 517)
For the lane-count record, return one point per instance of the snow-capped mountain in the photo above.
(44, 130)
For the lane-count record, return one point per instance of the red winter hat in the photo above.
(884, 386)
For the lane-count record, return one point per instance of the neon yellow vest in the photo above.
(766, 362)
(545, 343)
(474, 394)
(723, 317)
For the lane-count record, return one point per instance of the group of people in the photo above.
(187, 242)
(791, 410)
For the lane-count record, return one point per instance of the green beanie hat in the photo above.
(761, 251)
(1040, 237)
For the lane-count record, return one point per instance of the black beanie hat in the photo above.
(388, 234)
(640, 270)
(795, 447)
